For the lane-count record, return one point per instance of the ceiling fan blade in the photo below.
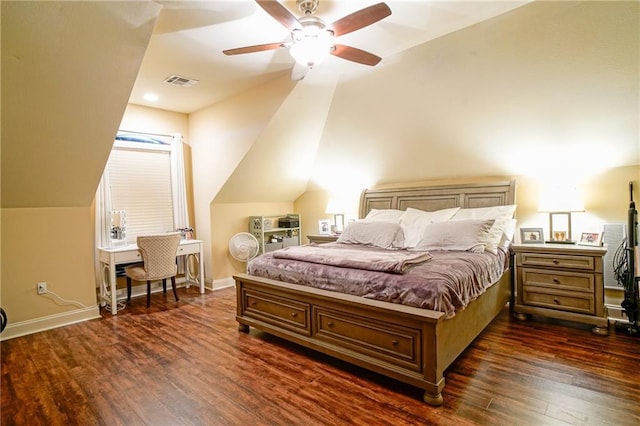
(354, 54)
(251, 49)
(298, 72)
(360, 19)
(280, 14)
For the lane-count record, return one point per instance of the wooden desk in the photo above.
(109, 257)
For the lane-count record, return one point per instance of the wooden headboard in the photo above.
(436, 197)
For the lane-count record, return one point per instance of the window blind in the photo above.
(140, 183)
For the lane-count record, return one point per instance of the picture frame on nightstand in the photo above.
(324, 227)
(531, 235)
(590, 239)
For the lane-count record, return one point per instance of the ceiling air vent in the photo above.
(176, 80)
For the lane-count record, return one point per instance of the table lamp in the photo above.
(335, 206)
(560, 202)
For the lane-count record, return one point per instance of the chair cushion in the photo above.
(136, 272)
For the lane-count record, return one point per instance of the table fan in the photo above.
(243, 247)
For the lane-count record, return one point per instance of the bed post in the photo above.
(433, 374)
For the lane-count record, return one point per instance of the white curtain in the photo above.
(179, 192)
(103, 220)
(178, 182)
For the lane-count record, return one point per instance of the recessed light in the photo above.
(151, 97)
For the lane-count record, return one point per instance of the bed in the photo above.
(407, 343)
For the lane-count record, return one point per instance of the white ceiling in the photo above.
(189, 38)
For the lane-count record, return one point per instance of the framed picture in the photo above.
(324, 227)
(590, 239)
(531, 235)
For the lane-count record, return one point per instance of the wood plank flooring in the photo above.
(185, 363)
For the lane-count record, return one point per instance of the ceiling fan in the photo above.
(312, 40)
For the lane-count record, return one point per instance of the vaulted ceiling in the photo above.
(190, 36)
(506, 86)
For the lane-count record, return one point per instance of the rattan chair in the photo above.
(159, 263)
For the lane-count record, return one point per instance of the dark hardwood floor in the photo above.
(185, 363)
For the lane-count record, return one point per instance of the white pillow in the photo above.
(463, 235)
(413, 222)
(494, 212)
(500, 234)
(379, 234)
(507, 233)
(384, 215)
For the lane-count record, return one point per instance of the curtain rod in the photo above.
(147, 133)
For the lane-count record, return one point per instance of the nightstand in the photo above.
(562, 282)
(319, 239)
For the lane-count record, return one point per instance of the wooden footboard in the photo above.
(409, 344)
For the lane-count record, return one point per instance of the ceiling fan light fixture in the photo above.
(310, 51)
(312, 44)
(312, 40)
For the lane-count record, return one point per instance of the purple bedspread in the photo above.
(348, 256)
(446, 283)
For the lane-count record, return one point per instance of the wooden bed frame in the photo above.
(409, 344)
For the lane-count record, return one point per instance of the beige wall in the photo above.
(65, 88)
(51, 245)
(64, 93)
(549, 90)
(226, 221)
(311, 206)
(220, 137)
(605, 197)
(142, 119)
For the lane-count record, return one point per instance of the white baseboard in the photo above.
(141, 289)
(220, 284)
(67, 318)
(616, 313)
(36, 325)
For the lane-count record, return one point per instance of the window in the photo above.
(141, 182)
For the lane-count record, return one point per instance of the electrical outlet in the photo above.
(41, 288)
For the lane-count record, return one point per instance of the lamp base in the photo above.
(559, 242)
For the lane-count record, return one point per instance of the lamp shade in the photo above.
(335, 206)
(561, 199)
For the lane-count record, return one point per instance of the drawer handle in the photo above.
(253, 303)
(294, 314)
(556, 301)
(556, 281)
(555, 261)
(330, 324)
(394, 342)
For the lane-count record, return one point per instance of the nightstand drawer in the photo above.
(559, 300)
(586, 263)
(569, 281)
